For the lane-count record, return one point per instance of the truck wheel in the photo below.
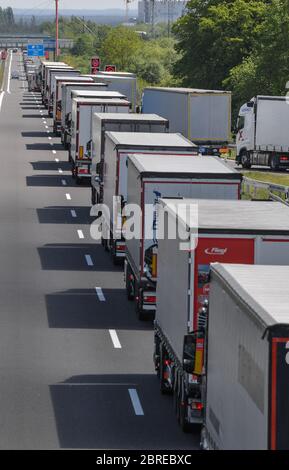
(129, 283)
(138, 307)
(245, 160)
(182, 414)
(93, 196)
(104, 244)
(274, 163)
(164, 389)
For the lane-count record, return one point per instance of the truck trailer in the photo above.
(52, 85)
(151, 177)
(125, 84)
(233, 232)
(117, 148)
(247, 362)
(81, 124)
(48, 70)
(59, 81)
(66, 105)
(203, 116)
(104, 122)
(262, 133)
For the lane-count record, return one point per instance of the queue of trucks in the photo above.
(217, 289)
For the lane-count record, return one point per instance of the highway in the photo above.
(76, 369)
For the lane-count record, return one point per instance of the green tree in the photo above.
(120, 47)
(266, 70)
(214, 36)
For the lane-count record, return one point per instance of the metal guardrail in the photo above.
(249, 183)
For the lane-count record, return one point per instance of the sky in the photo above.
(67, 4)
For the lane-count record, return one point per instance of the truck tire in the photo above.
(163, 388)
(274, 163)
(129, 284)
(141, 315)
(182, 414)
(104, 244)
(93, 196)
(245, 160)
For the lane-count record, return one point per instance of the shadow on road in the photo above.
(81, 308)
(95, 411)
(34, 134)
(71, 257)
(50, 180)
(32, 116)
(46, 166)
(43, 146)
(62, 215)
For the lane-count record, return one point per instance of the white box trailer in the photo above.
(92, 92)
(52, 85)
(66, 105)
(45, 65)
(118, 146)
(203, 116)
(105, 122)
(116, 74)
(247, 377)
(233, 232)
(151, 177)
(57, 101)
(123, 84)
(59, 69)
(262, 132)
(81, 124)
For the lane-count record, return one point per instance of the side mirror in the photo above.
(193, 353)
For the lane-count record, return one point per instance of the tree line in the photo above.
(238, 45)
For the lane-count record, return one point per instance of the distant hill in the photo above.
(108, 16)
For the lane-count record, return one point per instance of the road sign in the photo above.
(95, 65)
(110, 68)
(35, 50)
(94, 70)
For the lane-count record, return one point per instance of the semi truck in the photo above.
(52, 85)
(102, 122)
(262, 133)
(66, 105)
(246, 378)
(125, 84)
(117, 148)
(48, 69)
(203, 116)
(151, 177)
(59, 81)
(81, 123)
(232, 232)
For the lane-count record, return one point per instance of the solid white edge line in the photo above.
(80, 234)
(9, 73)
(88, 260)
(100, 294)
(114, 339)
(1, 98)
(135, 402)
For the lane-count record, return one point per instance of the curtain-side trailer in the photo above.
(233, 232)
(247, 363)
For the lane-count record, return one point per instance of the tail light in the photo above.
(83, 171)
(120, 247)
(81, 152)
(284, 158)
(196, 405)
(149, 299)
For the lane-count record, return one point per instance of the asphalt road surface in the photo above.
(76, 365)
